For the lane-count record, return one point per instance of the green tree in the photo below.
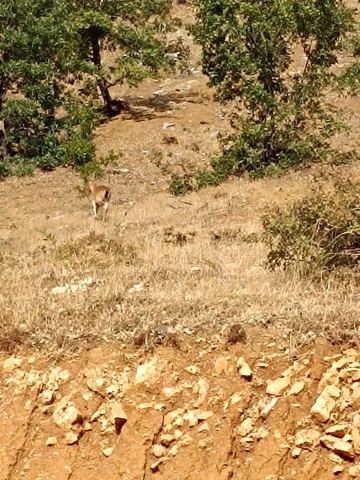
(133, 31)
(45, 124)
(252, 55)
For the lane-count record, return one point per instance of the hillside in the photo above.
(118, 353)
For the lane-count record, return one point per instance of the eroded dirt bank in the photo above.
(202, 409)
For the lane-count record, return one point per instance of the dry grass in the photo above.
(189, 254)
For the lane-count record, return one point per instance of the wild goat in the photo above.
(100, 196)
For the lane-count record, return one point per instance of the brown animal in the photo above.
(100, 196)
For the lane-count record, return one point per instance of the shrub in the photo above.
(318, 234)
(279, 117)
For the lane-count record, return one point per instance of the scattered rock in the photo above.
(355, 436)
(47, 397)
(154, 467)
(354, 471)
(202, 389)
(204, 443)
(268, 407)
(204, 415)
(185, 440)
(51, 441)
(204, 427)
(245, 427)
(66, 414)
(12, 363)
(237, 334)
(338, 469)
(341, 447)
(296, 388)
(174, 450)
(146, 372)
(277, 386)
(244, 369)
(118, 415)
(71, 438)
(221, 365)
(325, 403)
(159, 451)
(296, 452)
(338, 430)
(108, 451)
(94, 380)
(167, 439)
(192, 369)
(307, 439)
(169, 392)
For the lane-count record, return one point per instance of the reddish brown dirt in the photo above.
(27, 423)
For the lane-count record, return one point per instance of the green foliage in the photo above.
(318, 234)
(279, 118)
(133, 31)
(38, 51)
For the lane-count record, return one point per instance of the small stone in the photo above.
(146, 372)
(354, 471)
(355, 436)
(338, 430)
(119, 416)
(338, 469)
(192, 369)
(296, 388)
(12, 363)
(268, 407)
(244, 369)
(204, 427)
(296, 452)
(202, 388)
(87, 427)
(342, 448)
(31, 360)
(159, 406)
(71, 438)
(169, 392)
(204, 443)
(245, 428)
(108, 451)
(325, 403)
(171, 416)
(96, 415)
(221, 365)
(94, 379)
(47, 397)
(201, 416)
(307, 439)
(277, 386)
(66, 414)
(51, 441)
(167, 439)
(174, 450)
(145, 406)
(185, 440)
(154, 467)
(159, 451)
(190, 417)
(335, 458)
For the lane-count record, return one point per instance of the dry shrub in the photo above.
(318, 234)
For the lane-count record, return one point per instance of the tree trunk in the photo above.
(113, 107)
(3, 153)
